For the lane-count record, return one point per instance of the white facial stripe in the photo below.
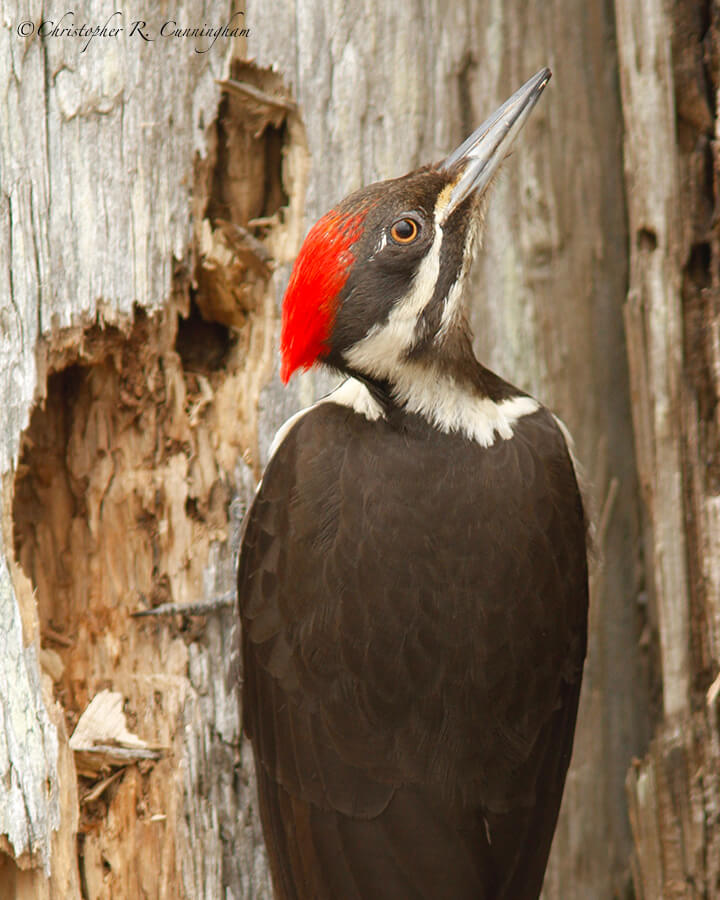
(421, 388)
(381, 350)
(451, 309)
(453, 301)
(385, 344)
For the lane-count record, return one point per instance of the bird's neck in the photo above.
(444, 383)
(448, 365)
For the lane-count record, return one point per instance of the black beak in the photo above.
(488, 146)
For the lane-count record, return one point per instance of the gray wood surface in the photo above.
(669, 68)
(118, 167)
(382, 92)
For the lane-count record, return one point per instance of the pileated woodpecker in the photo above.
(413, 575)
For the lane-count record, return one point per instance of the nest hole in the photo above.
(203, 345)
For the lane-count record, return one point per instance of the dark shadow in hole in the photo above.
(698, 265)
(646, 240)
(43, 473)
(203, 346)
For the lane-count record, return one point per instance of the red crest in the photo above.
(311, 300)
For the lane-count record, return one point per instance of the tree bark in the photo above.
(150, 216)
(669, 73)
(128, 449)
(382, 92)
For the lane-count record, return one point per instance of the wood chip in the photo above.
(99, 789)
(101, 739)
(262, 97)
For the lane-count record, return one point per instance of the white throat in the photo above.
(454, 407)
(447, 407)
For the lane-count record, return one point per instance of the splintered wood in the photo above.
(122, 501)
(121, 493)
(669, 65)
(674, 808)
(234, 266)
(101, 739)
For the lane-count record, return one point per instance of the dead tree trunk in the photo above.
(549, 292)
(669, 65)
(136, 330)
(149, 219)
(387, 91)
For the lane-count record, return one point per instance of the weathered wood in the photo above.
(654, 320)
(669, 73)
(381, 91)
(141, 282)
(119, 448)
(30, 803)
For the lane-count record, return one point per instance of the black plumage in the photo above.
(412, 648)
(413, 577)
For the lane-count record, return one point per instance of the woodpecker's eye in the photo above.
(404, 231)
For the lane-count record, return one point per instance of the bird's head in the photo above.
(379, 278)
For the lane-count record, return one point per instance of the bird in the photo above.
(412, 578)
